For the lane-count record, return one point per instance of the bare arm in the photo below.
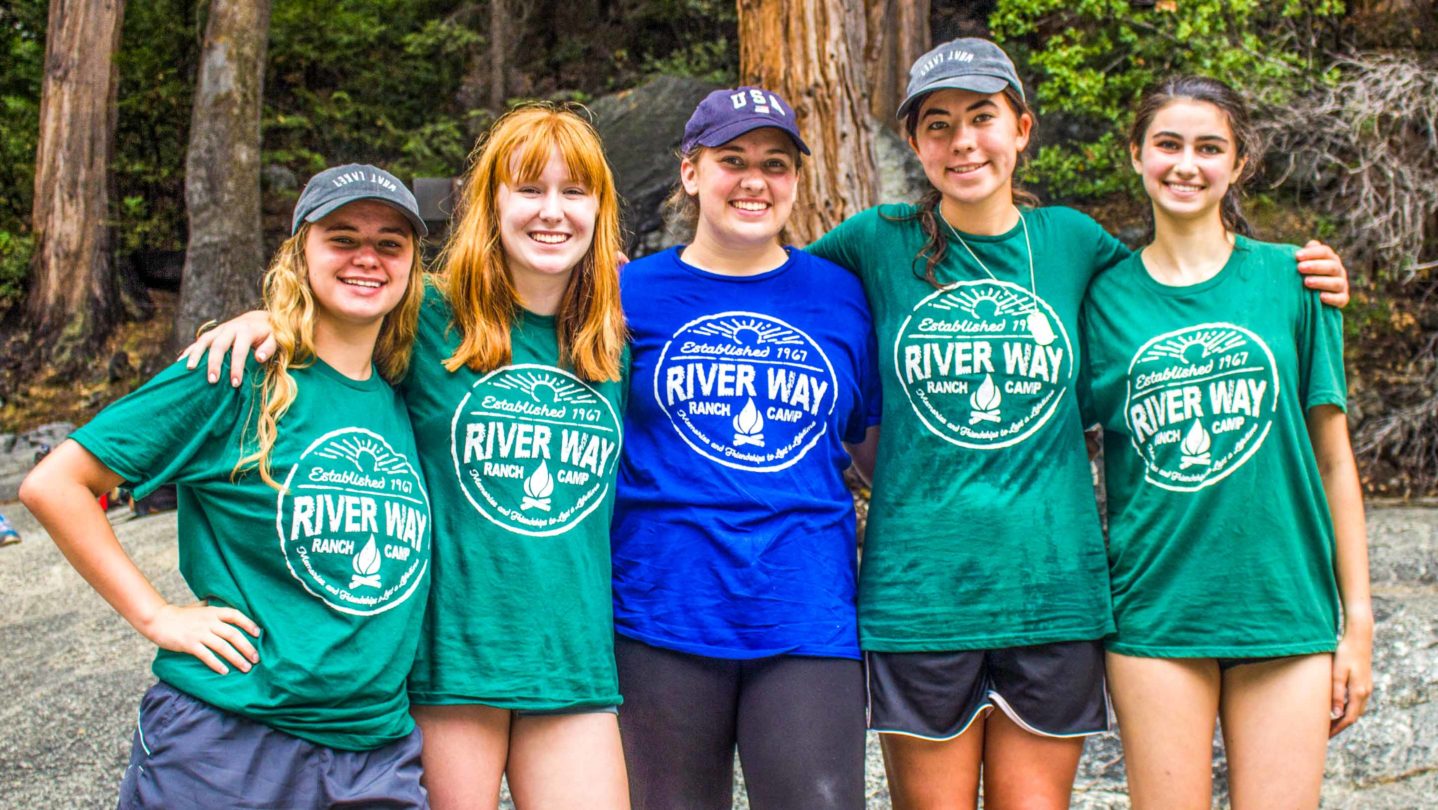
(864, 454)
(61, 492)
(1353, 662)
(1323, 270)
(233, 337)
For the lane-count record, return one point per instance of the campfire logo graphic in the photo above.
(353, 522)
(366, 565)
(534, 448)
(746, 390)
(984, 364)
(749, 426)
(537, 489)
(1199, 403)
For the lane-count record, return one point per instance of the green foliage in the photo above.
(381, 81)
(15, 250)
(1090, 61)
(22, 49)
(157, 62)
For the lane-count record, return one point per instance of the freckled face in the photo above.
(546, 224)
(359, 260)
(746, 187)
(969, 144)
(1187, 159)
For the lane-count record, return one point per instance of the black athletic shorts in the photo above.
(1056, 690)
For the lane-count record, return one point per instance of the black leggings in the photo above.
(798, 723)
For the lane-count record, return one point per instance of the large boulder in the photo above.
(642, 129)
(17, 454)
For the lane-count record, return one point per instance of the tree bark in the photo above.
(809, 52)
(73, 299)
(225, 257)
(898, 34)
(499, 13)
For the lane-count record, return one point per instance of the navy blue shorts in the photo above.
(189, 755)
(1054, 690)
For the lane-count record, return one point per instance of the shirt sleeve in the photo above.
(870, 409)
(176, 428)
(1107, 250)
(843, 245)
(1088, 413)
(1320, 354)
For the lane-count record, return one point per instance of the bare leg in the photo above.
(465, 748)
(934, 774)
(1167, 709)
(1275, 729)
(1027, 771)
(562, 761)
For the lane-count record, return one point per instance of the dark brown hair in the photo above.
(1246, 142)
(936, 241)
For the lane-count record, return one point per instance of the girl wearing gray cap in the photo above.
(303, 531)
(984, 591)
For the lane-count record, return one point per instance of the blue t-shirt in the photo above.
(733, 530)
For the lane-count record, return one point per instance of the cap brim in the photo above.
(974, 83)
(729, 132)
(325, 210)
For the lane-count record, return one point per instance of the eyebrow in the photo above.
(983, 102)
(345, 226)
(1167, 134)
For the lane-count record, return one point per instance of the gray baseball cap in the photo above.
(336, 187)
(972, 64)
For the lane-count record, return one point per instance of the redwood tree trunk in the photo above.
(225, 257)
(810, 52)
(73, 299)
(898, 34)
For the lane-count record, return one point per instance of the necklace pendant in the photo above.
(1040, 328)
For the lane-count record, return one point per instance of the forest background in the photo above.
(212, 113)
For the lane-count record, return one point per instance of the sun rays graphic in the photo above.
(542, 387)
(969, 299)
(760, 331)
(365, 454)
(1213, 341)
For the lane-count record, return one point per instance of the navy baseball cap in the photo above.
(724, 115)
(339, 186)
(972, 64)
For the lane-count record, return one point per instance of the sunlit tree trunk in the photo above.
(811, 53)
(225, 257)
(898, 34)
(73, 299)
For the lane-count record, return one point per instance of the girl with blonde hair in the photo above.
(515, 393)
(303, 531)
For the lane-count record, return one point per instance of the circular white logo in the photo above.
(353, 522)
(983, 363)
(748, 391)
(1200, 402)
(535, 448)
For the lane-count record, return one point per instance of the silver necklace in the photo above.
(1038, 323)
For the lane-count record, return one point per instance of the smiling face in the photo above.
(969, 145)
(359, 259)
(1187, 159)
(745, 187)
(546, 225)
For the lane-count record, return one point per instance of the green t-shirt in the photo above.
(334, 570)
(1220, 542)
(521, 464)
(982, 531)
